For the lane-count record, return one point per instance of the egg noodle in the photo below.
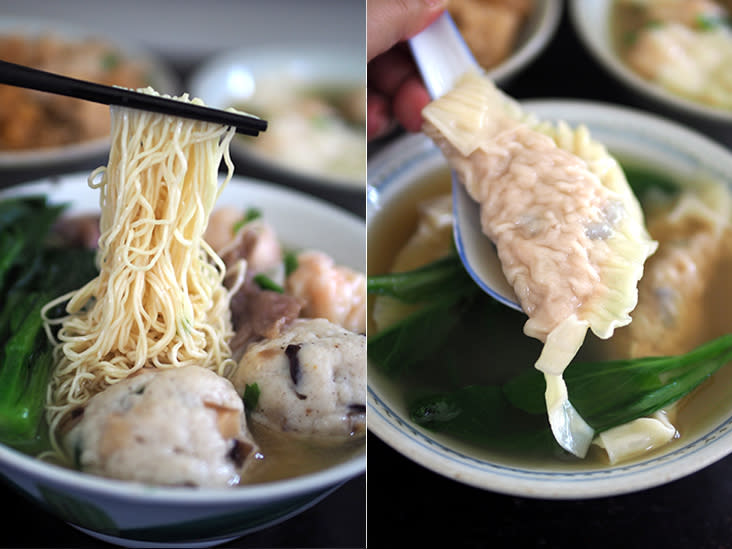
(159, 299)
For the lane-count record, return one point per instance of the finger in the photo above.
(378, 115)
(392, 21)
(387, 72)
(408, 103)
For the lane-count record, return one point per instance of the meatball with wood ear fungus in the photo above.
(311, 380)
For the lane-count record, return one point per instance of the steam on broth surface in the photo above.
(502, 351)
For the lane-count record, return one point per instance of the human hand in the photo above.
(395, 91)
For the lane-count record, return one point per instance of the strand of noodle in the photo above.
(159, 298)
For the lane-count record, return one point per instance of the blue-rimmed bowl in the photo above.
(632, 135)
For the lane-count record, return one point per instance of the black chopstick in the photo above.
(27, 77)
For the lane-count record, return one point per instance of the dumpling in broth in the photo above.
(567, 228)
(692, 230)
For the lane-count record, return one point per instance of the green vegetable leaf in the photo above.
(26, 364)
(266, 283)
(423, 283)
(708, 22)
(445, 296)
(642, 180)
(291, 263)
(249, 215)
(611, 393)
(32, 272)
(481, 414)
(251, 396)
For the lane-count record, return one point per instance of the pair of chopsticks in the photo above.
(27, 77)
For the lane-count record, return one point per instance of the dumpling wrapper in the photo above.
(670, 318)
(568, 229)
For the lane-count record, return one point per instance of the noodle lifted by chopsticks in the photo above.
(158, 300)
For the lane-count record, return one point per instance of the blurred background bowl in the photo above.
(29, 29)
(592, 21)
(310, 141)
(394, 174)
(535, 33)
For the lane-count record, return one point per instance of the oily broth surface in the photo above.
(282, 456)
(699, 412)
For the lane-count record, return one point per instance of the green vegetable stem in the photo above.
(32, 273)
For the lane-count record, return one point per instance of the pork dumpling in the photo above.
(567, 228)
(693, 233)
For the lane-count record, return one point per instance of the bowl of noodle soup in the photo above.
(157, 272)
(411, 175)
(130, 513)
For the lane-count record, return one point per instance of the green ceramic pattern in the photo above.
(77, 511)
(225, 524)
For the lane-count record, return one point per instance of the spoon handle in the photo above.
(441, 54)
(442, 57)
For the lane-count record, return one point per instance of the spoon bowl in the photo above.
(442, 56)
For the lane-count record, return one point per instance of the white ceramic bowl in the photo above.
(632, 135)
(533, 38)
(137, 515)
(162, 79)
(591, 19)
(231, 78)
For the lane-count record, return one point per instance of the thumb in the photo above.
(393, 21)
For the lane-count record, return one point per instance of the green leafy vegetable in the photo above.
(291, 263)
(444, 292)
(32, 272)
(482, 415)
(642, 180)
(608, 394)
(266, 283)
(249, 215)
(26, 365)
(422, 284)
(708, 22)
(251, 396)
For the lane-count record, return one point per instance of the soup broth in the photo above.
(492, 349)
(283, 456)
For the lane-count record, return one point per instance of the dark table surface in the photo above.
(409, 505)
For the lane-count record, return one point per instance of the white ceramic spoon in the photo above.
(442, 57)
